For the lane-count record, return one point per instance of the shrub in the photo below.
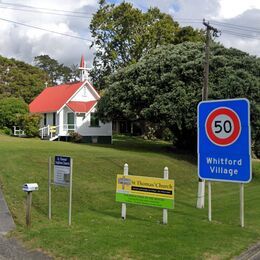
(256, 148)
(30, 124)
(6, 131)
(167, 135)
(75, 137)
(10, 110)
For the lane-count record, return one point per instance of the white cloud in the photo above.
(25, 43)
(233, 8)
(240, 32)
(198, 9)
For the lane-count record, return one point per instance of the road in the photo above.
(10, 248)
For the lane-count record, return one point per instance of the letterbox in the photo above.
(30, 187)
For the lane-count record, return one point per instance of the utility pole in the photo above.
(209, 29)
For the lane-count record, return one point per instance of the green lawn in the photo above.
(97, 231)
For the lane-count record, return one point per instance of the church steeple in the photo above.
(83, 69)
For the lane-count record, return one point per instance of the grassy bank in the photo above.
(97, 231)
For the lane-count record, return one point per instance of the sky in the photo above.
(238, 21)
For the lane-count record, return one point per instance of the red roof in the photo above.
(81, 107)
(53, 98)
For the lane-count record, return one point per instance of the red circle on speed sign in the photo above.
(223, 126)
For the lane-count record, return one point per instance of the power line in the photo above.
(41, 8)
(241, 34)
(238, 30)
(49, 31)
(237, 26)
(43, 12)
(231, 29)
(222, 24)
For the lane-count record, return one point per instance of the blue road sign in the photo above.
(224, 141)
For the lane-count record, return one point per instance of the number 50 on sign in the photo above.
(223, 126)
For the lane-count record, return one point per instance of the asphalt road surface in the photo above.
(10, 248)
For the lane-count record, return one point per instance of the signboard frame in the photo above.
(244, 137)
(62, 170)
(67, 165)
(145, 194)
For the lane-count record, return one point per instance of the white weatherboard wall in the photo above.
(85, 129)
(49, 119)
(60, 121)
(82, 122)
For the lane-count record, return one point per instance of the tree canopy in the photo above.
(123, 34)
(21, 80)
(57, 73)
(164, 87)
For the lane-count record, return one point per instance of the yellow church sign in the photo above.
(145, 191)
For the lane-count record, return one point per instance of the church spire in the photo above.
(83, 69)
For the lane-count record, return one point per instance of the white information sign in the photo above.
(62, 170)
(63, 166)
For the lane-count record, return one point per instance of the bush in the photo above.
(30, 124)
(6, 131)
(11, 109)
(75, 137)
(167, 135)
(256, 148)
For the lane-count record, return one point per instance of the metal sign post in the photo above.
(209, 201)
(224, 144)
(242, 205)
(49, 186)
(70, 197)
(63, 166)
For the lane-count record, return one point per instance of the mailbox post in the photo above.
(29, 188)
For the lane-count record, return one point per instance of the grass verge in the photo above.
(97, 231)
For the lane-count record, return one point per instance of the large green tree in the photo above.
(123, 34)
(164, 88)
(57, 72)
(21, 80)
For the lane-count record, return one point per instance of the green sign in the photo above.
(146, 191)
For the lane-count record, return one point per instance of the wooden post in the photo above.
(209, 196)
(70, 199)
(165, 211)
(242, 205)
(201, 185)
(123, 211)
(49, 187)
(28, 208)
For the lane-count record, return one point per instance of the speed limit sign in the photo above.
(224, 152)
(223, 126)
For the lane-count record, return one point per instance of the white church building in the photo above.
(69, 108)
